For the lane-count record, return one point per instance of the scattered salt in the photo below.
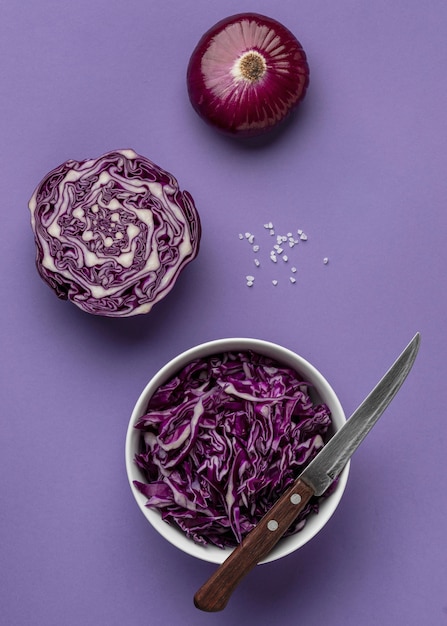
(277, 250)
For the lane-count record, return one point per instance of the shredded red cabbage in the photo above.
(223, 439)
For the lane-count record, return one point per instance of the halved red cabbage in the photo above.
(113, 233)
(222, 440)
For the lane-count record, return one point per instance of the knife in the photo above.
(314, 480)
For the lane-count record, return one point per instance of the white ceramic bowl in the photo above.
(322, 392)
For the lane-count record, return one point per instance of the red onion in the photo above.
(246, 74)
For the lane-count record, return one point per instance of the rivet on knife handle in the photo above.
(215, 593)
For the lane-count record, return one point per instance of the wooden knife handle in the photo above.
(215, 593)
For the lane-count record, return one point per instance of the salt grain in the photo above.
(274, 282)
(292, 280)
(293, 269)
(285, 258)
(325, 260)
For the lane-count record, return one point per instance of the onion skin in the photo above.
(247, 74)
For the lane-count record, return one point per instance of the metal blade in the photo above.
(328, 464)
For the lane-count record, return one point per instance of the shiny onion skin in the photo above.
(246, 74)
(113, 233)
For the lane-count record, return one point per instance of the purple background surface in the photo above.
(362, 170)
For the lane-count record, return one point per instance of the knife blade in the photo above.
(314, 480)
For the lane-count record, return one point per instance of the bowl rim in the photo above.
(283, 355)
